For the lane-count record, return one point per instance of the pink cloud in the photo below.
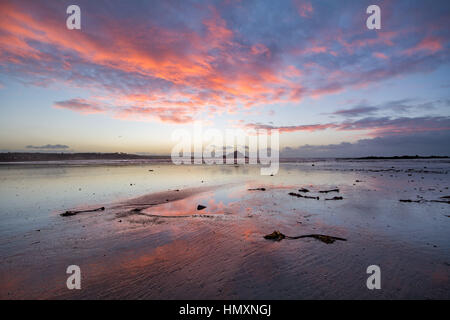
(292, 72)
(429, 44)
(315, 49)
(174, 114)
(175, 74)
(233, 76)
(285, 129)
(259, 48)
(304, 8)
(382, 38)
(80, 105)
(380, 55)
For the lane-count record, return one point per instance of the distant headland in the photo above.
(43, 156)
(400, 157)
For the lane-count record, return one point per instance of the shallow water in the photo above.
(171, 250)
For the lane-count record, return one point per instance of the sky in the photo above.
(137, 71)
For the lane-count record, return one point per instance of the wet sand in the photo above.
(151, 242)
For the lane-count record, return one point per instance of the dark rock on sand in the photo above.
(424, 200)
(257, 189)
(303, 190)
(73, 213)
(278, 236)
(302, 196)
(439, 201)
(408, 200)
(200, 207)
(331, 190)
(324, 238)
(336, 198)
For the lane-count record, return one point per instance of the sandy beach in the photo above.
(152, 242)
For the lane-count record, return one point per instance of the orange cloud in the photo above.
(182, 58)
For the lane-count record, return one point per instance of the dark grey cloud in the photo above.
(378, 126)
(49, 147)
(356, 111)
(392, 107)
(423, 144)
